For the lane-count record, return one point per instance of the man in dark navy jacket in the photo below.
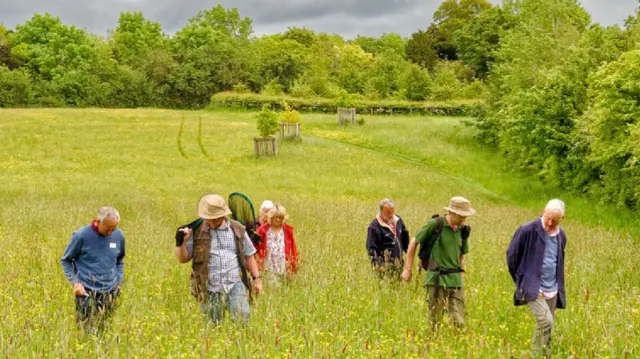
(387, 238)
(536, 263)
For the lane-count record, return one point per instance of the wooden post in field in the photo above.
(265, 146)
(346, 116)
(289, 131)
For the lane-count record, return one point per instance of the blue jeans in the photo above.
(236, 302)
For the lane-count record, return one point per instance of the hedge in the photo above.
(323, 105)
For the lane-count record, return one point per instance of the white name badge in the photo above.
(112, 245)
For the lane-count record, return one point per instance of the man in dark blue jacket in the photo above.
(387, 238)
(536, 263)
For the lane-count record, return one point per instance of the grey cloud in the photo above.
(346, 17)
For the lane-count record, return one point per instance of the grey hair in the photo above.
(108, 212)
(386, 202)
(555, 205)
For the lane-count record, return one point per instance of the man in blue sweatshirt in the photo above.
(93, 264)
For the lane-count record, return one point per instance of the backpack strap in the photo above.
(436, 231)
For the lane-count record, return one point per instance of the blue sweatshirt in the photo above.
(95, 260)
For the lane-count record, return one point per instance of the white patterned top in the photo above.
(275, 261)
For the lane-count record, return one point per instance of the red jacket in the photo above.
(290, 250)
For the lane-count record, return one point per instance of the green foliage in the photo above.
(284, 60)
(387, 44)
(267, 122)
(420, 49)
(325, 105)
(301, 35)
(612, 129)
(135, 37)
(15, 88)
(445, 85)
(240, 88)
(478, 42)
(273, 88)
(345, 100)
(289, 115)
(224, 21)
(301, 89)
(415, 83)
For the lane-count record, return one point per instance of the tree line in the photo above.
(45, 62)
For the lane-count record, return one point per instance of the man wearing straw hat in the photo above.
(535, 259)
(222, 258)
(443, 279)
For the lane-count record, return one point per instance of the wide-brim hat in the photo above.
(212, 206)
(461, 206)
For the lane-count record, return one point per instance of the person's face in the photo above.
(107, 226)
(456, 219)
(215, 223)
(263, 219)
(388, 213)
(551, 220)
(277, 220)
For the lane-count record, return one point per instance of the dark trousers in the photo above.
(95, 308)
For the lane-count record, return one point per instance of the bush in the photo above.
(241, 88)
(301, 89)
(267, 122)
(325, 105)
(415, 83)
(15, 87)
(612, 126)
(475, 89)
(289, 115)
(446, 85)
(345, 100)
(273, 88)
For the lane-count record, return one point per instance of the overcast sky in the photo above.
(345, 17)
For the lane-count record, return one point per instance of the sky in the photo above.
(346, 17)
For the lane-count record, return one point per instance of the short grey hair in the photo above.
(387, 202)
(108, 212)
(555, 205)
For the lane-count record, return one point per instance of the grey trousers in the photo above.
(543, 310)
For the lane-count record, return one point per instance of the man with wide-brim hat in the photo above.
(446, 241)
(223, 260)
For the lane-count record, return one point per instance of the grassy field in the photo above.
(59, 166)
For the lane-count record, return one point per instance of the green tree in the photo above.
(301, 35)
(451, 16)
(281, 59)
(612, 129)
(226, 21)
(421, 48)
(478, 41)
(135, 38)
(415, 83)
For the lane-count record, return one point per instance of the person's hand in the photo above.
(257, 286)
(182, 234)
(406, 274)
(78, 289)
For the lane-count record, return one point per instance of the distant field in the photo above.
(59, 166)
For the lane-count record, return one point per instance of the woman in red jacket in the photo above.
(277, 252)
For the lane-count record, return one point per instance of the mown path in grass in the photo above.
(59, 166)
